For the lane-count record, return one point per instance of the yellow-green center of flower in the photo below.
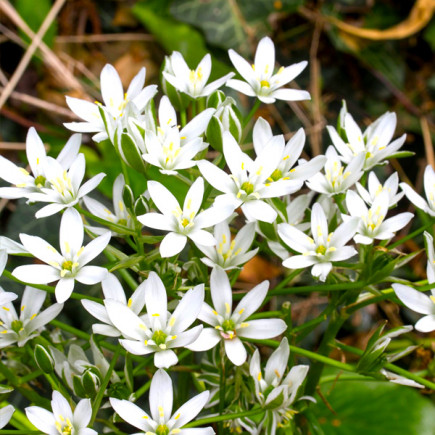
(228, 325)
(64, 427)
(159, 337)
(122, 222)
(247, 187)
(17, 325)
(185, 222)
(265, 84)
(67, 265)
(40, 181)
(162, 429)
(321, 250)
(276, 175)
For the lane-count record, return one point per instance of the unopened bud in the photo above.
(91, 383)
(43, 359)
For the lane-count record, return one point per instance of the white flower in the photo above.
(20, 329)
(247, 184)
(260, 80)
(38, 160)
(120, 216)
(228, 325)
(374, 143)
(192, 82)
(427, 206)
(117, 106)
(321, 250)
(337, 179)
(62, 420)
(182, 223)
(162, 419)
(372, 223)
(430, 269)
(63, 188)
(375, 188)
(171, 149)
(420, 303)
(228, 254)
(262, 136)
(273, 383)
(5, 415)
(112, 289)
(69, 265)
(158, 331)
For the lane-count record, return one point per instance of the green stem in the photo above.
(251, 113)
(131, 282)
(183, 118)
(222, 384)
(142, 390)
(225, 417)
(411, 235)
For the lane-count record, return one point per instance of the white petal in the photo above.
(262, 328)
(94, 248)
(242, 87)
(172, 244)
(235, 351)
(220, 290)
(165, 359)
(321, 270)
(188, 309)
(215, 176)
(259, 210)
(157, 221)
(91, 274)
(64, 288)
(111, 87)
(291, 95)
(295, 238)
(41, 419)
(82, 413)
(162, 198)
(414, 299)
(156, 298)
(125, 320)
(201, 237)
(161, 395)
(188, 411)
(299, 261)
(208, 338)
(251, 301)
(71, 232)
(131, 413)
(426, 324)
(37, 273)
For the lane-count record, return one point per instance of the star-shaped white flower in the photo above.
(372, 223)
(375, 188)
(171, 149)
(183, 223)
(420, 303)
(20, 329)
(162, 419)
(158, 331)
(117, 108)
(323, 248)
(375, 143)
(260, 80)
(428, 205)
(70, 264)
(62, 420)
(228, 324)
(192, 82)
(26, 183)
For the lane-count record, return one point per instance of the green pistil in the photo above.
(122, 222)
(321, 250)
(17, 326)
(228, 325)
(247, 187)
(159, 337)
(276, 175)
(162, 429)
(40, 181)
(67, 265)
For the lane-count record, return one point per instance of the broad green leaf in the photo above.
(375, 408)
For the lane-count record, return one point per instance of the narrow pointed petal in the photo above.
(161, 395)
(235, 351)
(220, 290)
(172, 244)
(190, 409)
(263, 328)
(414, 299)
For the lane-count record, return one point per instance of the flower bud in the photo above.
(91, 382)
(215, 99)
(129, 151)
(141, 206)
(43, 359)
(128, 197)
(78, 387)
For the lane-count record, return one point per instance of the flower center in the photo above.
(228, 325)
(247, 187)
(159, 337)
(64, 427)
(185, 222)
(321, 250)
(40, 181)
(122, 222)
(162, 429)
(276, 175)
(17, 326)
(265, 84)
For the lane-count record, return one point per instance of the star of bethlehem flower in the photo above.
(26, 183)
(118, 106)
(70, 264)
(230, 253)
(119, 216)
(171, 149)
(427, 206)
(337, 178)
(162, 420)
(62, 420)
(272, 384)
(372, 223)
(262, 136)
(260, 80)
(192, 82)
(5, 415)
(230, 325)
(113, 290)
(375, 143)
(247, 185)
(375, 188)
(20, 329)
(420, 303)
(183, 223)
(158, 331)
(63, 188)
(323, 248)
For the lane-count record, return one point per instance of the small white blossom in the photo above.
(171, 149)
(70, 264)
(228, 253)
(375, 188)
(62, 420)
(39, 162)
(323, 248)
(372, 224)
(20, 329)
(427, 206)
(183, 223)
(375, 143)
(118, 106)
(162, 419)
(260, 80)
(420, 303)
(192, 82)
(158, 331)
(337, 178)
(228, 325)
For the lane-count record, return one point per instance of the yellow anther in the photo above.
(172, 321)
(277, 373)
(227, 307)
(129, 303)
(265, 84)
(259, 376)
(33, 316)
(6, 308)
(177, 416)
(215, 313)
(244, 325)
(241, 311)
(156, 315)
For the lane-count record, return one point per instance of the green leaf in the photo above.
(128, 262)
(131, 153)
(374, 408)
